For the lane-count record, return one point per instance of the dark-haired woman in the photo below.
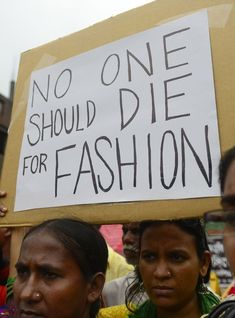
(60, 270)
(174, 264)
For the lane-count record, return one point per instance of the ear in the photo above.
(206, 260)
(96, 287)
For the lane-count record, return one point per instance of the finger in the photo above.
(3, 209)
(2, 193)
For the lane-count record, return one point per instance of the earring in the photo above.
(141, 287)
(202, 288)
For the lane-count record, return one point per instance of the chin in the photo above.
(163, 302)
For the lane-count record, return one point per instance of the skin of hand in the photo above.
(3, 208)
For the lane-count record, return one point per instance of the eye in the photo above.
(49, 275)
(22, 271)
(177, 257)
(135, 232)
(148, 256)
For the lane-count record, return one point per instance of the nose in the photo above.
(128, 238)
(30, 291)
(162, 270)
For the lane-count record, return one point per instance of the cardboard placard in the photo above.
(119, 59)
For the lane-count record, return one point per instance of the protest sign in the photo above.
(123, 128)
(132, 120)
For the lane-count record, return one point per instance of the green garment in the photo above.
(9, 285)
(207, 301)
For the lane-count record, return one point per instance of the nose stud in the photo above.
(37, 295)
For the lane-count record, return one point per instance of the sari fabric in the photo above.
(207, 300)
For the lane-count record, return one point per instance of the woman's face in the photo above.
(49, 282)
(170, 267)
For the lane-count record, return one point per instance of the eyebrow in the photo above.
(19, 263)
(182, 251)
(44, 266)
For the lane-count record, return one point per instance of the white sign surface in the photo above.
(132, 120)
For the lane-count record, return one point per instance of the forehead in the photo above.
(167, 235)
(229, 185)
(41, 246)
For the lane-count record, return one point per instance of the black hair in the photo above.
(85, 244)
(225, 162)
(192, 226)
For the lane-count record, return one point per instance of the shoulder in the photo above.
(116, 285)
(117, 265)
(115, 257)
(116, 282)
(114, 291)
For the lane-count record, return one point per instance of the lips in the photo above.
(24, 313)
(162, 291)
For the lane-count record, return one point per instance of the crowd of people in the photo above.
(63, 262)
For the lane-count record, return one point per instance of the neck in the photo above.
(191, 309)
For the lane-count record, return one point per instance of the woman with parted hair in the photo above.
(174, 265)
(60, 270)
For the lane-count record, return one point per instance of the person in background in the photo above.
(117, 265)
(227, 187)
(5, 238)
(226, 215)
(114, 291)
(60, 270)
(130, 242)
